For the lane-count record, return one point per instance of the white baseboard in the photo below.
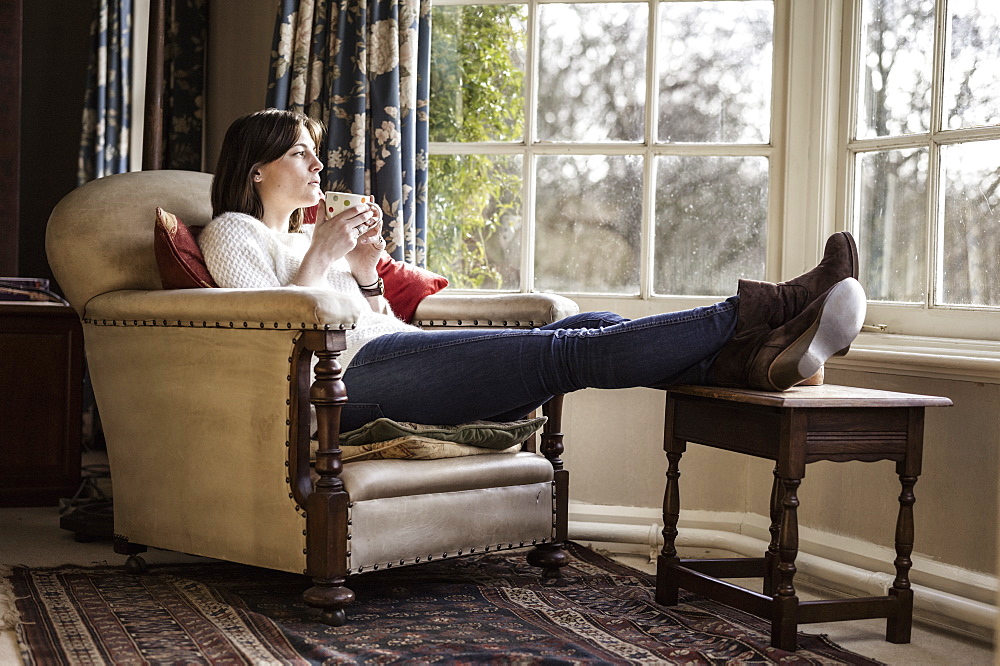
(944, 594)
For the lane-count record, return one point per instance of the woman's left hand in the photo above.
(368, 250)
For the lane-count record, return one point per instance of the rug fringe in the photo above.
(8, 611)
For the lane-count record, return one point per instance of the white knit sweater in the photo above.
(242, 252)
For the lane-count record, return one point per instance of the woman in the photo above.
(769, 336)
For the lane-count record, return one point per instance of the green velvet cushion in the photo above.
(483, 434)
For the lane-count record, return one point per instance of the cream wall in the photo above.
(614, 438)
(239, 54)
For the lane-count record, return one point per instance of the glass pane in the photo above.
(711, 224)
(972, 73)
(477, 73)
(474, 220)
(891, 199)
(894, 84)
(588, 223)
(970, 264)
(592, 72)
(715, 71)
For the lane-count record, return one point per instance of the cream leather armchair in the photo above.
(204, 395)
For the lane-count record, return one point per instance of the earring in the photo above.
(256, 178)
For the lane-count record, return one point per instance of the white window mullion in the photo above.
(934, 279)
(528, 157)
(810, 115)
(647, 267)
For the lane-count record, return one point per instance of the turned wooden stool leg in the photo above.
(784, 621)
(899, 624)
(666, 582)
(771, 556)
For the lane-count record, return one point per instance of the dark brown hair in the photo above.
(252, 141)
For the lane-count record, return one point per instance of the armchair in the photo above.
(205, 393)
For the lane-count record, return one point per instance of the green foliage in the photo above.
(476, 94)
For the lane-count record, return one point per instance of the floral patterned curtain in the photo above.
(362, 67)
(184, 97)
(107, 114)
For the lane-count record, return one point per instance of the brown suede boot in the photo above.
(770, 305)
(776, 360)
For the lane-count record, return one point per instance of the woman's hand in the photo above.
(340, 236)
(366, 253)
(341, 233)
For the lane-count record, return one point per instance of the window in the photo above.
(922, 169)
(602, 147)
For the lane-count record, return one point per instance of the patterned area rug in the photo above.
(491, 608)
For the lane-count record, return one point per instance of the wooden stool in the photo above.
(793, 428)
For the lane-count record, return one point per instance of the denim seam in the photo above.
(679, 320)
(437, 345)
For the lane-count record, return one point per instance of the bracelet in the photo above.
(374, 289)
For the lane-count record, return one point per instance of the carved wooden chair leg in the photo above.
(331, 597)
(135, 564)
(551, 557)
(327, 532)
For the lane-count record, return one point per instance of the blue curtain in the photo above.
(107, 118)
(107, 112)
(362, 67)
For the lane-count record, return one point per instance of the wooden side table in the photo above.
(41, 381)
(793, 428)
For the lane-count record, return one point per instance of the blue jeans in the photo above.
(452, 377)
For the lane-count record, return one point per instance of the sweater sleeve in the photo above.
(236, 250)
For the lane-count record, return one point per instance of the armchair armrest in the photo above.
(281, 308)
(492, 310)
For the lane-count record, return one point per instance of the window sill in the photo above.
(941, 358)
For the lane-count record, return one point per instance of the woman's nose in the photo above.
(317, 165)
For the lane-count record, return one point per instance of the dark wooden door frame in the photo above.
(11, 19)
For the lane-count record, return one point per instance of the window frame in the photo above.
(810, 195)
(647, 149)
(920, 321)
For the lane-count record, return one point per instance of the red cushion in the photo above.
(406, 285)
(178, 256)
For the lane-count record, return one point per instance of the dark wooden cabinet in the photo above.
(41, 383)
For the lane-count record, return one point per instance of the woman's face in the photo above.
(292, 181)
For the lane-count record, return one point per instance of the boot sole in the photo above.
(837, 324)
(854, 254)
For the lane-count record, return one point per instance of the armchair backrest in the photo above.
(99, 238)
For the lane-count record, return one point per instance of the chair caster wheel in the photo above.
(335, 617)
(135, 565)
